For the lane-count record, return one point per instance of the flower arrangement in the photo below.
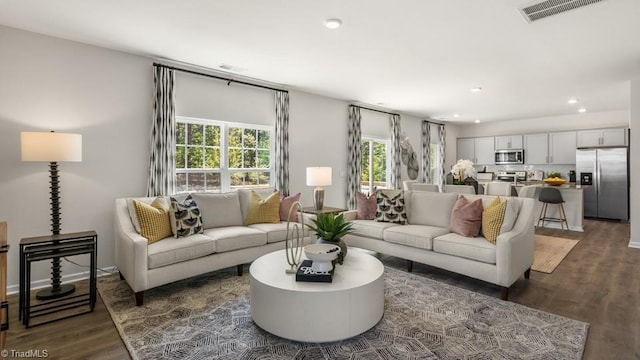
(463, 169)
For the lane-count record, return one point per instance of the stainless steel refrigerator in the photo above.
(603, 173)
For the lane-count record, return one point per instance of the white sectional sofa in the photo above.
(225, 242)
(427, 239)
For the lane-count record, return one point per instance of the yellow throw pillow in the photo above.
(263, 210)
(155, 224)
(492, 219)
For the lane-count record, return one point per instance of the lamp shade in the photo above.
(50, 146)
(318, 176)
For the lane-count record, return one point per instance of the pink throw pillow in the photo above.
(366, 206)
(466, 217)
(285, 205)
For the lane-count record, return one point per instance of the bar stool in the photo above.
(549, 195)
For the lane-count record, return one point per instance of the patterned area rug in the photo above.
(209, 317)
(550, 251)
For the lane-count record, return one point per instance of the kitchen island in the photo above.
(572, 195)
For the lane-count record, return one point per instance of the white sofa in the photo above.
(225, 242)
(427, 239)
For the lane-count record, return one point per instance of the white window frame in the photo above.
(224, 171)
(387, 142)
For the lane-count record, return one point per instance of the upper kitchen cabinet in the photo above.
(508, 142)
(536, 148)
(562, 148)
(479, 150)
(602, 137)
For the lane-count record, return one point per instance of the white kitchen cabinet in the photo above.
(536, 148)
(506, 142)
(479, 150)
(602, 137)
(562, 148)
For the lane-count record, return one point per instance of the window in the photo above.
(374, 164)
(219, 156)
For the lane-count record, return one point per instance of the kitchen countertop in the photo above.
(569, 185)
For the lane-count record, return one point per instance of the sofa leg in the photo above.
(527, 273)
(239, 267)
(409, 266)
(121, 277)
(139, 298)
(505, 293)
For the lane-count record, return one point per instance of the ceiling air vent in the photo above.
(541, 9)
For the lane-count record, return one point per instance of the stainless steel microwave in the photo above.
(512, 156)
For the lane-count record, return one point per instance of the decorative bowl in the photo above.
(554, 181)
(322, 255)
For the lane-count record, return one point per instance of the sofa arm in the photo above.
(514, 255)
(350, 215)
(130, 249)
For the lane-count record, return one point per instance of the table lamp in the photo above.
(318, 176)
(52, 147)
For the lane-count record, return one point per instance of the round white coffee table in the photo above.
(317, 312)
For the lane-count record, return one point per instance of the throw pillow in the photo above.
(510, 215)
(186, 217)
(466, 217)
(263, 210)
(391, 208)
(492, 219)
(366, 206)
(285, 205)
(154, 219)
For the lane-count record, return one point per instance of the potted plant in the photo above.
(331, 229)
(462, 170)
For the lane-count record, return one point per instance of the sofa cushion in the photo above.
(391, 208)
(431, 208)
(278, 232)
(263, 210)
(236, 237)
(466, 217)
(477, 248)
(172, 250)
(285, 205)
(370, 228)
(419, 236)
(186, 218)
(244, 197)
(154, 220)
(219, 210)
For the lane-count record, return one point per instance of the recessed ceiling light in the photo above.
(456, 115)
(333, 23)
(572, 101)
(476, 121)
(476, 89)
(582, 110)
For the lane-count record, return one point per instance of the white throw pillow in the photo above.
(510, 215)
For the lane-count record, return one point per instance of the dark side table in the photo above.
(46, 248)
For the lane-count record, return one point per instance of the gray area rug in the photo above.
(209, 317)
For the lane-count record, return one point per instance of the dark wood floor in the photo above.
(598, 283)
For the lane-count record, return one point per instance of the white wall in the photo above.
(547, 124)
(634, 158)
(52, 84)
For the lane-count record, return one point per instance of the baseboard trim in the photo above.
(634, 244)
(70, 278)
(554, 225)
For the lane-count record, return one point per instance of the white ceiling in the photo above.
(415, 56)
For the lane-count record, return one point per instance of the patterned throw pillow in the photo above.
(264, 210)
(285, 205)
(154, 219)
(492, 219)
(366, 206)
(391, 208)
(466, 217)
(186, 217)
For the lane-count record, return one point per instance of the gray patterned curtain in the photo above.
(442, 134)
(426, 151)
(396, 179)
(354, 152)
(282, 142)
(162, 167)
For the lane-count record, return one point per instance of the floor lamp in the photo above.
(52, 147)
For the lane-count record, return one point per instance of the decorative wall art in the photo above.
(409, 158)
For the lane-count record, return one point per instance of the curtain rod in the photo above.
(228, 80)
(380, 111)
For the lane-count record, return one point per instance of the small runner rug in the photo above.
(550, 251)
(209, 317)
